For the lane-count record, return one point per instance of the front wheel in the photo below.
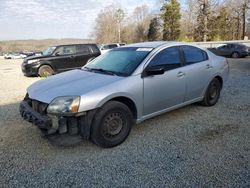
(112, 124)
(235, 55)
(212, 94)
(45, 71)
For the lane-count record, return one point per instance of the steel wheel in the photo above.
(212, 94)
(112, 124)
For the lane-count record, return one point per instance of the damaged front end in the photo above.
(36, 113)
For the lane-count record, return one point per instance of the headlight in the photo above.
(64, 105)
(33, 61)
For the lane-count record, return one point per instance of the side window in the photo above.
(112, 46)
(225, 47)
(169, 58)
(65, 50)
(194, 55)
(105, 47)
(82, 49)
(94, 48)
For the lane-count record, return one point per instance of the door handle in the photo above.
(209, 66)
(180, 74)
(71, 57)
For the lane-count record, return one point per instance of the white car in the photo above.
(106, 47)
(14, 56)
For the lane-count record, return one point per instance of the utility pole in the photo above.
(119, 17)
(244, 9)
(205, 14)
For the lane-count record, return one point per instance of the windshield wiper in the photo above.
(101, 70)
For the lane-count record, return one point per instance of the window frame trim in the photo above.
(184, 59)
(180, 56)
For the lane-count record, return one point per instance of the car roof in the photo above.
(74, 44)
(155, 44)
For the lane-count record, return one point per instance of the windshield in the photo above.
(120, 61)
(49, 51)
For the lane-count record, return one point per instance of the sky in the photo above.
(42, 19)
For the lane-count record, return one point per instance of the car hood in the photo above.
(36, 57)
(71, 83)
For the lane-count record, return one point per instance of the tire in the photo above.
(45, 71)
(235, 55)
(111, 124)
(212, 94)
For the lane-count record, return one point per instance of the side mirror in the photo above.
(57, 54)
(150, 71)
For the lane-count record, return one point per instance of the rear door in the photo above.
(83, 54)
(225, 50)
(166, 90)
(198, 71)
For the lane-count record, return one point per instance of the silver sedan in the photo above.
(127, 85)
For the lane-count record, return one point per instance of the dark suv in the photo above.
(60, 58)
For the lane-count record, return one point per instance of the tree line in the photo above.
(197, 20)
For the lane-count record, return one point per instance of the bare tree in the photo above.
(106, 29)
(142, 19)
(119, 18)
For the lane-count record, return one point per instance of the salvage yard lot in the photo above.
(193, 146)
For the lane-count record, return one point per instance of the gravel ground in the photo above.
(193, 147)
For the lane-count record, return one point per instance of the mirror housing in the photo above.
(57, 54)
(151, 71)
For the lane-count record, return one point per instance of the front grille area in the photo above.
(39, 107)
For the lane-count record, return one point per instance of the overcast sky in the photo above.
(39, 19)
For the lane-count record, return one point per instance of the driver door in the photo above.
(65, 58)
(168, 89)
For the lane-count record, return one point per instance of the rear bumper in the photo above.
(244, 54)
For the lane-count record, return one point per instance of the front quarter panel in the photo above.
(130, 87)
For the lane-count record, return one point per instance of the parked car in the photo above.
(59, 58)
(233, 50)
(28, 54)
(13, 55)
(106, 47)
(129, 84)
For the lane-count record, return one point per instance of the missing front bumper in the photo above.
(51, 124)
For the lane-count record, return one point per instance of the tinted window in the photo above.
(112, 46)
(65, 50)
(94, 48)
(105, 47)
(240, 46)
(82, 49)
(169, 58)
(225, 47)
(194, 55)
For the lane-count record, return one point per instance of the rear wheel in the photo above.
(45, 71)
(235, 55)
(112, 124)
(212, 94)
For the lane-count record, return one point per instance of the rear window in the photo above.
(240, 46)
(194, 55)
(83, 49)
(94, 48)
